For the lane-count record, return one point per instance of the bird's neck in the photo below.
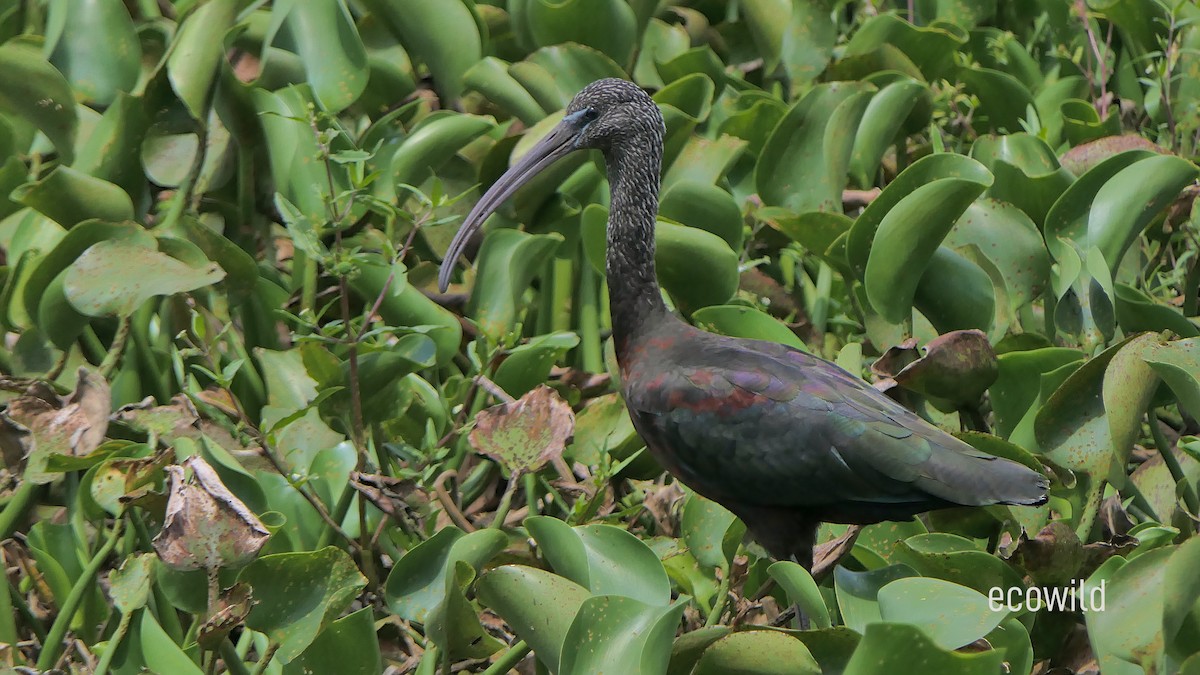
(634, 297)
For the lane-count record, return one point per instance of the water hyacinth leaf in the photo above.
(950, 614)
(1027, 172)
(1130, 629)
(704, 160)
(690, 646)
(757, 652)
(1082, 124)
(1179, 605)
(299, 594)
(36, 92)
(661, 42)
(882, 120)
(767, 21)
(1017, 382)
(606, 560)
(1137, 312)
(1178, 364)
(197, 51)
(160, 652)
(803, 165)
(745, 322)
(706, 207)
(525, 434)
(508, 261)
(416, 587)
(930, 48)
(858, 592)
(491, 78)
(958, 366)
(206, 526)
(348, 645)
(1007, 237)
(68, 197)
(324, 35)
(973, 305)
(898, 647)
(911, 226)
(95, 46)
(528, 365)
(711, 531)
(955, 559)
(537, 605)
(426, 148)
(614, 633)
(72, 426)
(1003, 100)
(684, 103)
(801, 591)
(116, 277)
(605, 25)
(444, 35)
(554, 74)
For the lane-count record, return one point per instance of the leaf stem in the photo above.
(1172, 462)
(509, 659)
(261, 666)
(18, 503)
(52, 646)
(113, 356)
(505, 503)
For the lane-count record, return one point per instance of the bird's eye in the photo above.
(589, 115)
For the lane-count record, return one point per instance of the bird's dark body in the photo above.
(783, 439)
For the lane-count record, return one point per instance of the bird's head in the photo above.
(608, 113)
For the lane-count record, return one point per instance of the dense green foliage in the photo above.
(219, 226)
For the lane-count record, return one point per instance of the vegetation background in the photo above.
(243, 433)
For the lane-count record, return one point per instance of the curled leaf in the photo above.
(206, 526)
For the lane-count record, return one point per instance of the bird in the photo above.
(783, 439)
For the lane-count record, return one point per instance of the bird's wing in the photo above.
(762, 424)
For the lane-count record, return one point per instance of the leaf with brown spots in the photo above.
(526, 434)
(46, 425)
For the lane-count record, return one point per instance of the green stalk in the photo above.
(564, 275)
(591, 349)
(261, 667)
(20, 502)
(505, 504)
(52, 646)
(1172, 462)
(233, 663)
(113, 643)
(509, 659)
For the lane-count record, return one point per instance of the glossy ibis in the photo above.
(781, 438)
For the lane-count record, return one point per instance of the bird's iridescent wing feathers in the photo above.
(762, 424)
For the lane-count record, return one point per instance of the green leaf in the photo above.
(931, 48)
(745, 322)
(537, 605)
(706, 207)
(442, 34)
(614, 633)
(507, 262)
(757, 652)
(882, 120)
(895, 238)
(955, 559)
(803, 165)
(901, 648)
(349, 645)
(1130, 628)
(857, 593)
(1179, 605)
(130, 588)
(711, 531)
(801, 591)
(1003, 100)
(528, 365)
(298, 594)
(324, 35)
(606, 560)
(116, 277)
(606, 25)
(69, 197)
(416, 588)
(197, 53)
(950, 614)
(160, 652)
(36, 92)
(696, 267)
(95, 46)
(1178, 364)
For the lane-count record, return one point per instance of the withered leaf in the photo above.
(165, 421)
(206, 526)
(526, 434)
(45, 425)
(231, 611)
(957, 366)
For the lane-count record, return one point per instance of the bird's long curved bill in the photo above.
(556, 144)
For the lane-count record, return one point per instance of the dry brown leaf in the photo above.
(206, 526)
(40, 422)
